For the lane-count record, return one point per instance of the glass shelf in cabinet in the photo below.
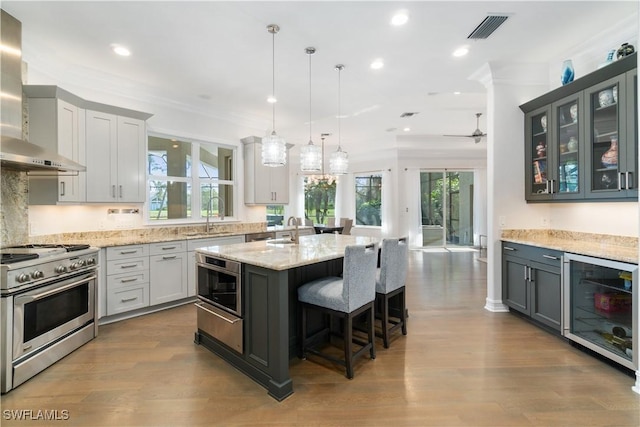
(540, 133)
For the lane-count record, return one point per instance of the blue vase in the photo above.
(567, 72)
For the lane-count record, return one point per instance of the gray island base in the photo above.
(271, 274)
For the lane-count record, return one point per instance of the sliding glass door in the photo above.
(446, 198)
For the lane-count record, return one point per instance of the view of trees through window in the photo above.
(369, 200)
(319, 200)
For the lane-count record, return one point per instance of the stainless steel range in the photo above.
(47, 305)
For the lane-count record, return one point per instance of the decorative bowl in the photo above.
(605, 97)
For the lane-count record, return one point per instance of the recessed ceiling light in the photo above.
(461, 51)
(456, 93)
(272, 99)
(406, 129)
(377, 64)
(400, 18)
(120, 50)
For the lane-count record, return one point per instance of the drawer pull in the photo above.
(128, 252)
(133, 279)
(168, 248)
(551, 257)
(508, 248)
(128, 299)
(128, 265)
(166, 258)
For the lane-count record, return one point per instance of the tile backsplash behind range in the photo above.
(14, 208)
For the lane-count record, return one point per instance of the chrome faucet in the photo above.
(210, 211)
(294, 236)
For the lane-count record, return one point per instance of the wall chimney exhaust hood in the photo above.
(15, 153)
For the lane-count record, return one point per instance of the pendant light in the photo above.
(310, 154)
(339, 160)
(274, 147)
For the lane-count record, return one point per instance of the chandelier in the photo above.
(339, 161)
(274, 147)
(310, 155)
(322, 179)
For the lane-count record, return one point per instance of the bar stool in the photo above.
(390, 281)
(346, 298)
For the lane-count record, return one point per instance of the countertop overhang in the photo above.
(283, 256)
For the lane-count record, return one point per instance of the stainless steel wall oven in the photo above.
(48, 307)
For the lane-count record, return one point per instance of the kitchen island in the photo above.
(271, 274)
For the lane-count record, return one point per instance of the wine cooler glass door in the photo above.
(601, 307)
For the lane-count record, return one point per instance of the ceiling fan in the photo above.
(477, 134)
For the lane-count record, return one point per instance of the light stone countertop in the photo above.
(617, 248)
(311, 249)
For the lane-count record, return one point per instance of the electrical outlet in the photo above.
(544, 221)
(34, 228)
(502, 221)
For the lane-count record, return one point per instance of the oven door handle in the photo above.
(53, 291)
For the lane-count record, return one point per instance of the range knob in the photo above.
(76, 265)
(21, 278)
(37, 275)
(60, 269)
(90, 261)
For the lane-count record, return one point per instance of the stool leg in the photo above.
(348, 341)
(371, 331)
(403, 312)
(303, 331)
(385, 321)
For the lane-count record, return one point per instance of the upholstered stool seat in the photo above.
(345, 298)
(390, 282)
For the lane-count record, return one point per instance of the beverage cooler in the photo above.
(601, 307)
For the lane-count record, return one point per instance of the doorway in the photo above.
(446, 199)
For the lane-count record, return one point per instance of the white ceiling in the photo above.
(215, 57)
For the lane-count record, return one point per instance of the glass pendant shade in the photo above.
(310, 158)
(338, 162)
(274, 150)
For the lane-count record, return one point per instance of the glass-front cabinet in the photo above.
(601, 307)
(581, 139)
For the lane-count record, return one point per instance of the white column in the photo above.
(508, 86)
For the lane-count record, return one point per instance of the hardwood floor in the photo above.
(460, 365)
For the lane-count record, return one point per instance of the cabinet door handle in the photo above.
(62, 188)
(509, 248)
(629, 180)
(526, 276)
(550, 257)
(120, 188)
(168, 257)
(113, 191)
(620, 175)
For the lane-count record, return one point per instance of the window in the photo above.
(369, 200)
(171, 179)
(275, 215)
(319, 199)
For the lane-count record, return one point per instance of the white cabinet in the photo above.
(168, 267)
(127, 278)
(263, 185)
(57, 125)
(194, 244)
(116, 158)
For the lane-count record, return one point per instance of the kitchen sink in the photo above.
(281, 242)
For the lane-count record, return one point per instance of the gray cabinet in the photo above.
(263, 185)
(168, 271)
(127, 278)
(116, 158)
(569, 130)
(532, 282)
(56, 123)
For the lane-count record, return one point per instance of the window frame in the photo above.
(356, 176)
(195, 180)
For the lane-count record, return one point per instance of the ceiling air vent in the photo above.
(407, 114)
(487, 27)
